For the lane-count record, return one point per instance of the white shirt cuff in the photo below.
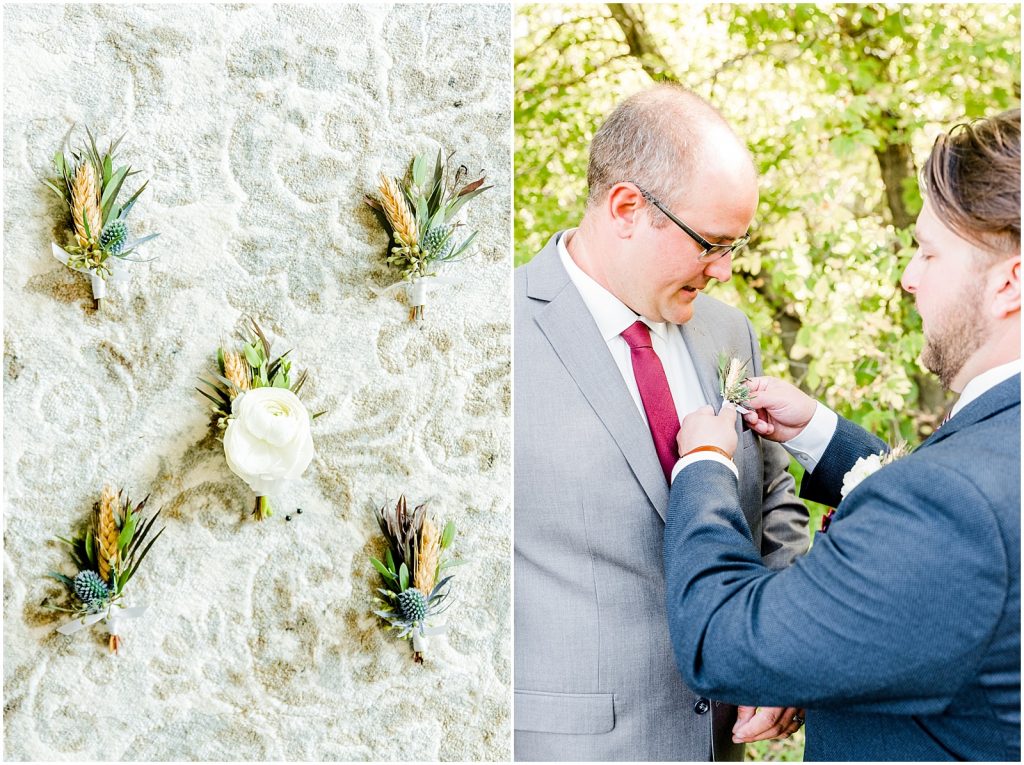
(809, 445)
(689, 459)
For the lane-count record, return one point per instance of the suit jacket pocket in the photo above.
(581, 713)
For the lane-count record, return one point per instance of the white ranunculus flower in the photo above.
(268, 438)
(861, 469)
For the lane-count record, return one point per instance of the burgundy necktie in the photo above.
(655, 395)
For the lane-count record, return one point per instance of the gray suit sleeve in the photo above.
(785, 518)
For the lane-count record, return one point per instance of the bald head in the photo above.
(664, 139)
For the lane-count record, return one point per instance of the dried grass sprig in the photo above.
(428, 556)
(237, 371)
(107, 532)
(85, 206)
(396, 208)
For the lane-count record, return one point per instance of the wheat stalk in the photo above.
(236, 369)
(107, 532)
(427, 557)
(397, 211)
(85, 205)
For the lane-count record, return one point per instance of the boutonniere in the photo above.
(265, 427)
(100, 243)
(420, 214)
(415, 591)
(732, 374)
(866, 466)
(107, 556)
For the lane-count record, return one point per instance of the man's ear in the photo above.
(625, 206)
(1006, 288)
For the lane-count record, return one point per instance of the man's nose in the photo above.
(910, 274)
(720, 269)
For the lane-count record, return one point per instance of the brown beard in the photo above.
(955, 338)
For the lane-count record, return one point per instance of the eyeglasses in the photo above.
(712, 251)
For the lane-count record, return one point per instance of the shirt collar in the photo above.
(613, 317)
(985, 382)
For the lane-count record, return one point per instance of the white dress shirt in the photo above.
(613, 317)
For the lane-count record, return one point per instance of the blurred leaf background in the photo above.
(840, 104)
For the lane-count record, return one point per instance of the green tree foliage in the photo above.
(840, 105)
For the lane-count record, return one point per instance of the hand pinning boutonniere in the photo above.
(107, 557)
(89, 183)
(256, 407)
(732, 374)
(866, 466)
(414, 593)
(419, 213)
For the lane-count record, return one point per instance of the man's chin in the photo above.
(680, 313)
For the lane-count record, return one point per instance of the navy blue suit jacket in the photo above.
(899, 631)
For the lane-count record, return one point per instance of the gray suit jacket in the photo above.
(594, 672)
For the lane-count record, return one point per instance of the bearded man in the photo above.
(900, 631)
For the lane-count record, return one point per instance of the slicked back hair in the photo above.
(972, 179)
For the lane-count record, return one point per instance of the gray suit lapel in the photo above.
(567, 324)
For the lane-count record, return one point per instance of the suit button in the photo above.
(701, 707)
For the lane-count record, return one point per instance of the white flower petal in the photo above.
(268, 438)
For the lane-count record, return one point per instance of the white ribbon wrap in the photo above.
(115, 619)
(420, 643)
(99, 284)
(417, 290)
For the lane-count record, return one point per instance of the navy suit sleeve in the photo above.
(873, 619)
(849, 443)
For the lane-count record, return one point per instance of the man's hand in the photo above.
(760, 723)
(703, 427)
(779, 411)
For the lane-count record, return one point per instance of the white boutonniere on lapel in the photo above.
(870, 465)
(732, 374)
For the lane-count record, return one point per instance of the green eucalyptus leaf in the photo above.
(382, 569)
(53, 186)
(448, 534)
(252, 357)
(419, 170)
(67, 580)
(125, 537)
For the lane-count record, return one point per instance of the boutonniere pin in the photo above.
(107, 556)
(265, 427)
(89, 183)
(416, 592)
(732, 374)
(420, 213)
